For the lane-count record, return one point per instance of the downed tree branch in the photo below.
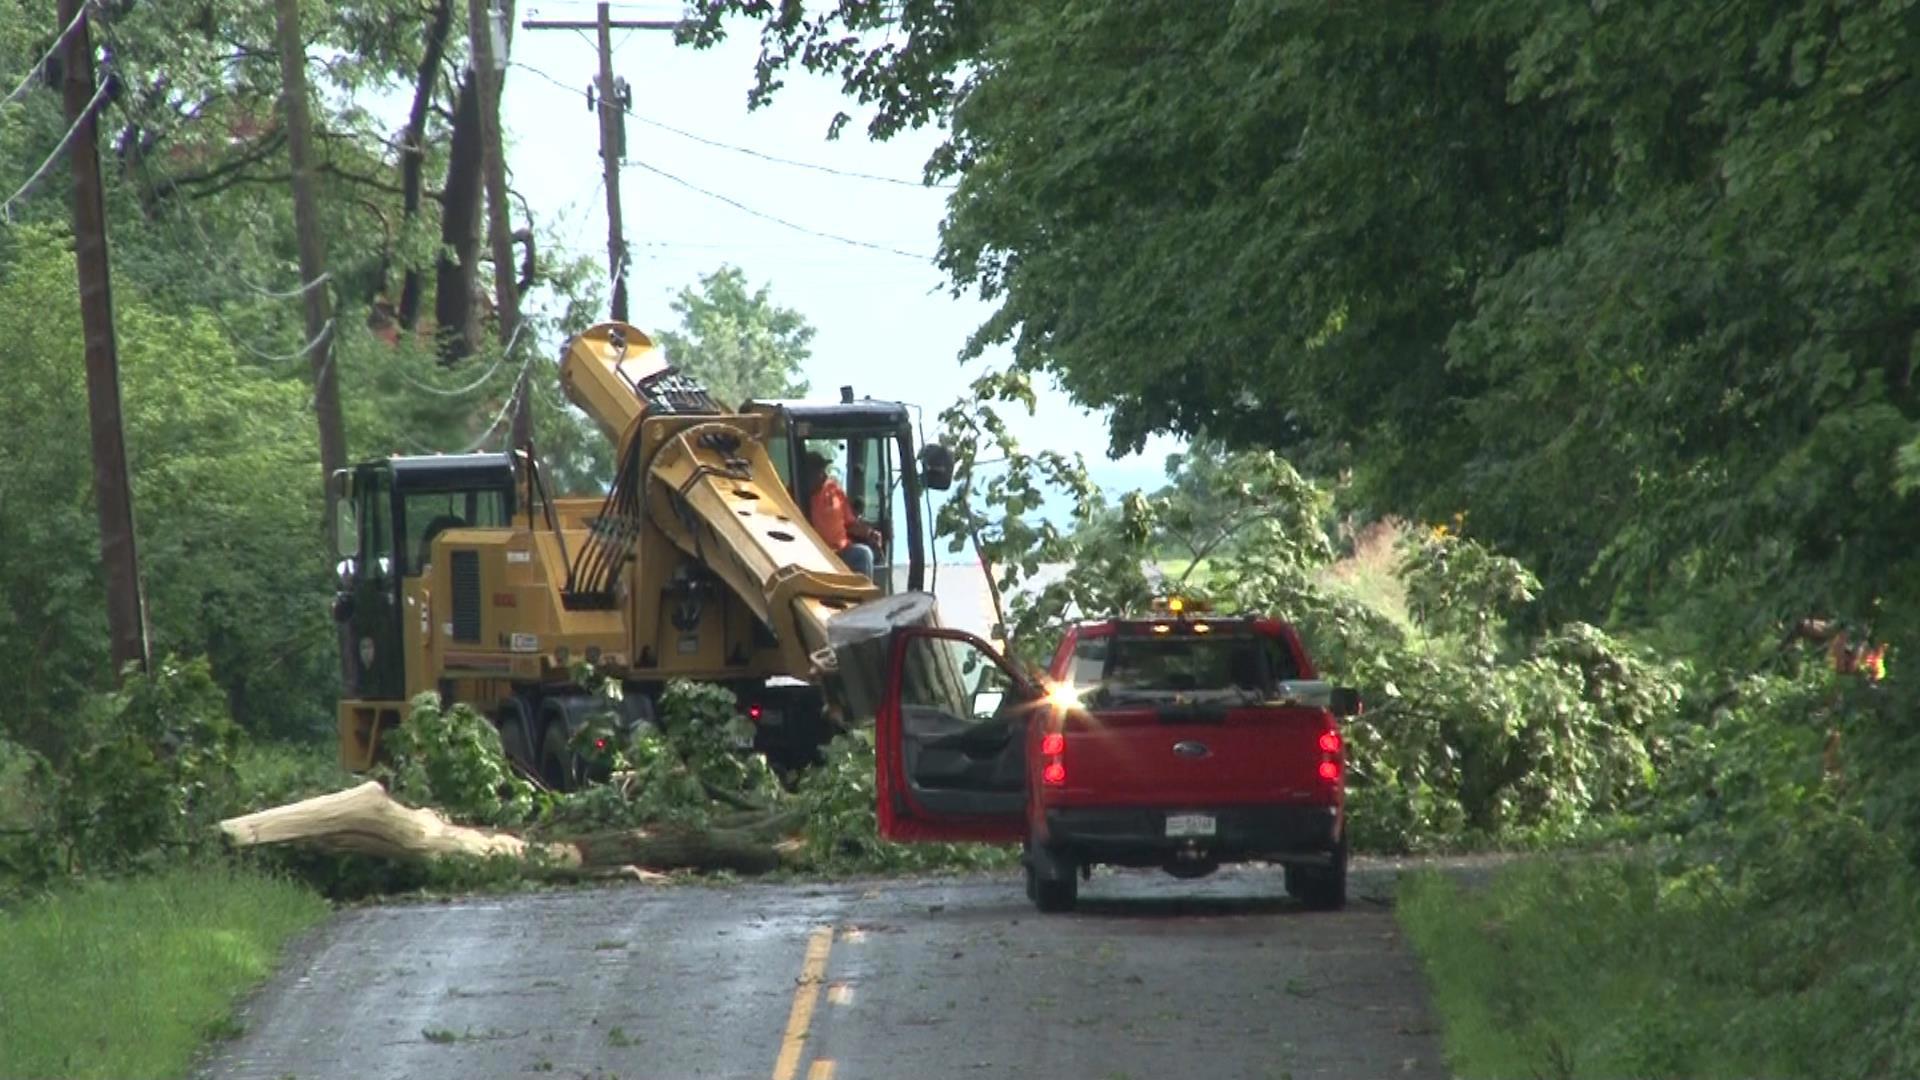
(366, 820)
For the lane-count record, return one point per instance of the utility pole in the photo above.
(613, 131)
(313, 252)
(488, 76)
(112, 490)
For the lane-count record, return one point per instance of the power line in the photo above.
(86, 114)
(777, 220)
(525, 366)
(58, 44)
(144, 118)
(505, 353)
(852, 174)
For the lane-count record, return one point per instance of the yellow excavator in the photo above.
(463, 574)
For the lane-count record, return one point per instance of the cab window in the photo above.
(376, 532)
(427, 514)
(1089, 660)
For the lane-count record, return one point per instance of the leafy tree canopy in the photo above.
(736, 340)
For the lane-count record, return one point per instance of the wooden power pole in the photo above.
(488, 77)
(313, 251)
(112, 490)
(613, 132)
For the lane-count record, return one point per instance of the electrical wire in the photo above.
(58, 44)
(229, 268)
(525, 367)
(86, 114)
(852, 174)
(777, 220)
(476, 384)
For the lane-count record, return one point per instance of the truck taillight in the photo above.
(1053, 748)
(1330, 768)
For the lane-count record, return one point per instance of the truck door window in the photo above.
(961, 725)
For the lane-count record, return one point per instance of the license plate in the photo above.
(1190, 825)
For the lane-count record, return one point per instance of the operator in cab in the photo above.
(832, 516)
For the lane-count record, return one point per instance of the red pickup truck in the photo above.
(1181, 742)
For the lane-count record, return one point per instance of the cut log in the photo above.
(367, 821)
(679, 847)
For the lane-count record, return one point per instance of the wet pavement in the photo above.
(950, 977)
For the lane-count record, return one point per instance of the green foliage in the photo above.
(1619, 967)
(225, 501)
(451, 759)
(737, 342)
(128, 977)
(154, 773)
(686, 767)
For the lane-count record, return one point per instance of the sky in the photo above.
(885, 318)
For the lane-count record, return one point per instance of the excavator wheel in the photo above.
(515, 719)
(559, 765)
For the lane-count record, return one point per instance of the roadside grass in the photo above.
(1610, 967)
(129, 977)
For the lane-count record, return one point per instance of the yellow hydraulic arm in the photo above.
(707, 483)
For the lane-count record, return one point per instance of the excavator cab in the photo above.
(390, 511)
(871, 446)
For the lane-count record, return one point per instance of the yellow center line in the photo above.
(820, 1070)
(805, 996)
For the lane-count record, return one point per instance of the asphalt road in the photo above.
(954, 977)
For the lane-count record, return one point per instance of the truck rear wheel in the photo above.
(1053, 880)
(1320, 888)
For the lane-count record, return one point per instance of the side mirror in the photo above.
(936, 467)
(1345, 701)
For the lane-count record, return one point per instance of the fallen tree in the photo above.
(365, 820)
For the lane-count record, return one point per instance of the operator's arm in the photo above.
(856, 528)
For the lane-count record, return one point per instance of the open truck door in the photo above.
(952, 736)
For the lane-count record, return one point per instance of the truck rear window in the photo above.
(1237, 665)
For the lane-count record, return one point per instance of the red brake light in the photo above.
(1053, 743)
(753, 712)
(1055, 773)
(1329, 770)
(1329, 742)
(599, 744)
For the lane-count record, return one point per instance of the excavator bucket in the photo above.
(860, 642)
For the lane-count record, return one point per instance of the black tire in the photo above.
(1053, 881)
(1320, 888)
(559, 768)
(515, 721)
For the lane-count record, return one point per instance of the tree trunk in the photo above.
(413, 155)
(367, 821)
(460, 231)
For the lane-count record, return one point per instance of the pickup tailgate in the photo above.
(1194, 755)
